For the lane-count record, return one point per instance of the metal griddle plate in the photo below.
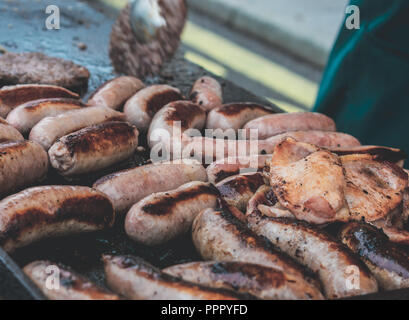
(22, 28)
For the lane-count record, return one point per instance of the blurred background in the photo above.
(276, 49)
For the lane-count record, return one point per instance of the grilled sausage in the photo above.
(125, 188)
(209, 150)
(238, 190)
(48, 130)
(9, 133)
(207, 93)
(138, 280)
(115, 92)
(94, 148)
(161, 217)
(140, 109)
(388, 262)
(313, 248)
(260, 281)
(27, 115)
(325, 139)
(224, 168)
(21, 163)
(59, 282)
(51, 211)
(219, 236)
(165, 123)
(235, 115)
(13, 96)
(275, 124)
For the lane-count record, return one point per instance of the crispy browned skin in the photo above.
(207, 93)
(94, 148)
(275, 124)
(374, 188)
(49, 129)
(219, 236)
(309, 182)
(138, 280)
(21, 163)
(380, 153)
(24, 117)
(386, 260)
(50, 211)
(257, 280)
(115, 92)
(142, 107)
(235, 115)
(238, 190)
(127, 187)
(227, 167)
(13, 96)
(185, 114)
(72, 286)
(315, 249)
(162, 216)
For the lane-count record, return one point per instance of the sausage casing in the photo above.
(387, 261)
(13, 96)
(68, 284)
(115, 92)
(207, 93)
(141, 108)
(260, 281)
(235, 115)
(50, 211)
(27, 115)
(94, 148)
(48, 130)
(127, 187)
(274, 124)
(22, 163)
(162, 216)
(138, 280)
(313, 248)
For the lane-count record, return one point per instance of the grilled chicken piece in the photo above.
(309, 182)
(373, 188)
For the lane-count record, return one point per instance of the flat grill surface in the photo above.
(22, 28)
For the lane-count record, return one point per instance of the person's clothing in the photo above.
(365, 87)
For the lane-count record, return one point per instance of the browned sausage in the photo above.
(13, 96)
(207, 92)
(161, 217)
(68, 284)
(93, 148)
(275, 124)
(235, 115)
(48, 130)
(51, 211)
(313, 248)
(141, 108)
(257, 280)
(127, 187)
(115, 92)
(238, 190)
(27, 115)
(138, 280)
(21, 163)
(387, 261)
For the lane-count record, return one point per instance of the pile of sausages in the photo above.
(252, 244)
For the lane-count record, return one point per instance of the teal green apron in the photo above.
(365, 87)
